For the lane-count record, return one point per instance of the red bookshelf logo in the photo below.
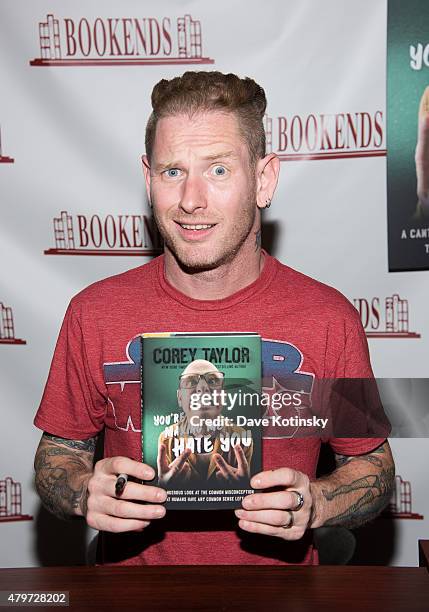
(325, 136)
(7, 328)
(392, 321)
(125, 41)
(400, 506)
(4, 159)
(11, 501)
(110, 235)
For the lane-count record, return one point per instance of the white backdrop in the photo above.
(72, 132)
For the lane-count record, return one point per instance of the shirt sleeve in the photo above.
(354, 363)
(73, 406)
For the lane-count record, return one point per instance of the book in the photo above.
(200, 399)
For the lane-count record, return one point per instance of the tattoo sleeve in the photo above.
(358, 490)
(63, 468)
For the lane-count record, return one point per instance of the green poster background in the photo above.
(408, 24)
(159, 384)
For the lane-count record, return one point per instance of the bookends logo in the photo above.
(7, 328)
(120, 41)
(111, 235)
(4, 159)
(11, 501)
(400, 506)
(326, 136)
(392, 321)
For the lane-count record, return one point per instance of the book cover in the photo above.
(408, 135)
(200, 397)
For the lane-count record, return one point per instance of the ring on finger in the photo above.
(290, 523)
(300, 503)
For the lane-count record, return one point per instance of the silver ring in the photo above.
(290, 524)
(300, 501)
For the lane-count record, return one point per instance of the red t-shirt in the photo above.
(94, 384)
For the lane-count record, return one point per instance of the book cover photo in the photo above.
(200, 411)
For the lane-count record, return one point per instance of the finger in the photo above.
(131, 510)
(253, 527)
(280, 500)
(125, 465)
(275, 518)
(162, 459)
(104, 522)
(223, 466)
(294, 533)
(177, 464)
(285, 477)
(138, 492)
(242, 464)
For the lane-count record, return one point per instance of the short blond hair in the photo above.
(197, 91)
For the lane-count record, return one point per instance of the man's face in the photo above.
(202, 188)
(200, 378)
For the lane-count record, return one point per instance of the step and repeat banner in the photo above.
(76, 78)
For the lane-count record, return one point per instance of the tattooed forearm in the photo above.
(85, 445)
(376, 491)
(357, 491)
(63, 468)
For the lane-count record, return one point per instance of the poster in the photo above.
(408, 135)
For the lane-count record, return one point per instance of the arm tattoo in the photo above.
(85, 445)
(61, 468)
(374, 489)
(376, 492)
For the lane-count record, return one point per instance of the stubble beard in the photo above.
(197, 258)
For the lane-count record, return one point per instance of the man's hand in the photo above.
(356, 492)
(272, 513)
(179, 469)
(107, 512)
(69, 485)
(227, 472)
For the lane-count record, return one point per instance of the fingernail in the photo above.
(161, 496)
(159, 512)
(239, 513)
(256, 483)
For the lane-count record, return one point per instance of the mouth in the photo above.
(192, 231)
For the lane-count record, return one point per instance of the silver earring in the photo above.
(267, 203)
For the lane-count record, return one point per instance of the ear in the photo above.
(179, 398)
(146, 172)
(267, 176)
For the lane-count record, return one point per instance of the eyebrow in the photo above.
(221, 155)
(214, 156)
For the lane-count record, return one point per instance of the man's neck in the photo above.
(219, 283)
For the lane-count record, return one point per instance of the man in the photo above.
(208, 180)
(422, 158)
(217, 468)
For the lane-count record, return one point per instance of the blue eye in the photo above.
(219, 170)
(173, 172)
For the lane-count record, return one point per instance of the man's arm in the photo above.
(70, 485)
(353, 494)
(356, 492)
(63, 468)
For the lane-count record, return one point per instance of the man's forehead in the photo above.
(200, 366)
(210, 134)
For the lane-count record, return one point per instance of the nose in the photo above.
(202, 386)
(193, 195)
